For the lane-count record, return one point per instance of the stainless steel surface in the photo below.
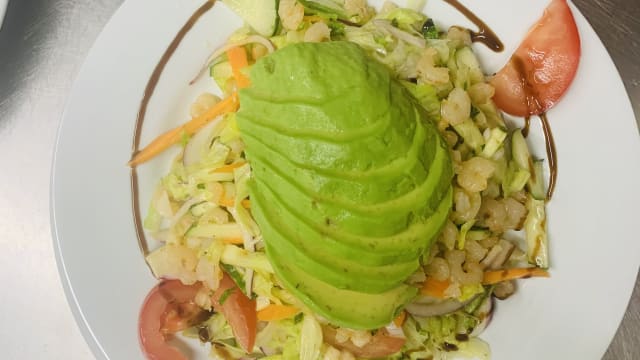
(42, 46)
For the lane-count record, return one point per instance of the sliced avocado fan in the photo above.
(351, 180)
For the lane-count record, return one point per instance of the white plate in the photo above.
(3, 8)
(592, 218)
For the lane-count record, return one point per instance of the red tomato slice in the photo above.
(168, 308)
(239, 310)
(382, 344)
(543, 67)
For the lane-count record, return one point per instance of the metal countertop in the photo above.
(42, 46)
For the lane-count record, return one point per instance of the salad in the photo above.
(353, 190)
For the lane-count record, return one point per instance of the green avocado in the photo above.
(343, 272)
(320, 239)
(347, 308)
(351, 181)
(347, 215)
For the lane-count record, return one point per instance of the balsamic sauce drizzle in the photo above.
(148, 93)
(484, 34)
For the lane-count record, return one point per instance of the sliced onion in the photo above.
(200, 140)
(251, 39)
(426, 306)
(183, 210)
(485, 313)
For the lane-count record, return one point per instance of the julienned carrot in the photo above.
(238, 61)
(174, 136)
(229, 168)
(234, 241)
(399, 320)
(494, 277)
(435, 288)
(275, 312)
(228, 202)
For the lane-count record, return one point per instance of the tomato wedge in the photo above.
(544, 65)
(382, 344)
(168, 308)
(239, 310)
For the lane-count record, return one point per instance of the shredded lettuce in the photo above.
(241, 215)
(469, 291)
(326, 7)
(405, 19)
(281, 337)
(401, 57)
(310, 338)
(153, 220)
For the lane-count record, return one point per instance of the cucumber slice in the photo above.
(520, 150)
(495, 141)
(465, 58)
(536, 233)
(471, 135)
(536, 181)
(261, 15)
(515, 180)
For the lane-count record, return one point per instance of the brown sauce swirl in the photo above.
(148, 93)
(551, 155)
(484, 35)
(527, 126)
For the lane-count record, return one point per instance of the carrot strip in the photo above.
(229, 168)
(234, 241)
(399, 320)
(238, 61)
(494, 277)
(435, 288)
(228, 202)
(174, 136)
(275, 312)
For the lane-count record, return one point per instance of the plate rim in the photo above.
(83, 325)
(74, 305)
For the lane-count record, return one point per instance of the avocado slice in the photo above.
(419, 153)
(322, 78)
(356, 190)
(347, 308)
(351, 180)
(340, 271)
(398, 212)
(352, 155)
(367, 250)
